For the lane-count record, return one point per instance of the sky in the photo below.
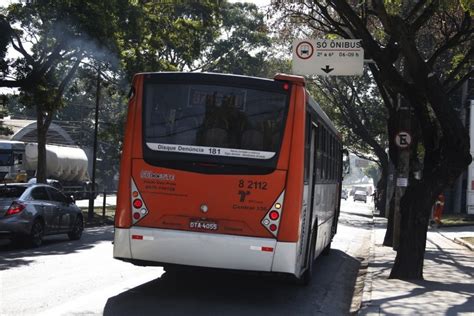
(260, 3)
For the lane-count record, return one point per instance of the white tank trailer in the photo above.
(62, 163)
(66, 164)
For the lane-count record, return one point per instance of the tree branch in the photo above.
(425, 15)
(453, 41)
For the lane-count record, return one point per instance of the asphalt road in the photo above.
(82, 278)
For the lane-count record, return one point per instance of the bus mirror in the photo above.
(346, 163)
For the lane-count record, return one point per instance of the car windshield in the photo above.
(361, 193)
(11, 191)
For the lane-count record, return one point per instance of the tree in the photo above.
(52, 38)
(197, 36)
(78, 118)
(421, 52)
(357, 110)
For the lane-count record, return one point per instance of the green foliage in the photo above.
(165, 36)
(184, 36)
(65, 41)
(373, 172)
(4, 130)
(357, 110)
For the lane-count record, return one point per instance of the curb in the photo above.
(365, 275)
(464, 243)
(458, 240)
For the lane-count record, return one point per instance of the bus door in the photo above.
(310, 178)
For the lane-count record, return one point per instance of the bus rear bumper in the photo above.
(204, 250)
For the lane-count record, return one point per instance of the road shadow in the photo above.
(219, 292)
(13, 255)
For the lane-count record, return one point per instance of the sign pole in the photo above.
(403, 141)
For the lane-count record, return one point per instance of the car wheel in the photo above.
(37, 233)
(76, 232)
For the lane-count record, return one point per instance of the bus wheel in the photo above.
(327, 249)
(305, 278)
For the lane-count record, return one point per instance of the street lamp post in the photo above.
(92, 190)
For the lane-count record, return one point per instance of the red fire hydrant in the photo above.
(438, 209)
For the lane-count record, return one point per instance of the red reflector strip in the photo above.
(137, 237)
(266, 249)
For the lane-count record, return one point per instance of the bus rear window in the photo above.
(216, 120)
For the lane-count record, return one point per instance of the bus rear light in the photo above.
(271, 221)
(137, 237)
(137, 203)
(274, 215)
(138, 209)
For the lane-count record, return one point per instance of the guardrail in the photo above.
(104, 199)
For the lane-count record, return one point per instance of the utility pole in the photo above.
(90, 213)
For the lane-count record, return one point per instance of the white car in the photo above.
(360, 196)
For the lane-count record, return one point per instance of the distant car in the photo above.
(360, 196)
(30, 211)
(344, 194)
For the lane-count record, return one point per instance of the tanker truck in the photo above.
(65, 164)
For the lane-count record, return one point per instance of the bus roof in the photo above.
(203, 76)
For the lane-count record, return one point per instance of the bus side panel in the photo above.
(325, 208)
(123, 216)
(290, 221)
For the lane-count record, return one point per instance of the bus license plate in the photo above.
(203, 225)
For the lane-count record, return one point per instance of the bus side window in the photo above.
(307, 148)
(319, 156)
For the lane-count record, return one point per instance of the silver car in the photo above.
(30, 211)
(360, 196)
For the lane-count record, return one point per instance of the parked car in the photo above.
(344, 194)
(360, 196)
(30, 211)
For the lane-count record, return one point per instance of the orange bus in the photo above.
(227, 171)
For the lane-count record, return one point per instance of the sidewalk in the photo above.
(448, 285)
(110, 200)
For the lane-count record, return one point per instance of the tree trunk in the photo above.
(43, 121)
(388, 240)
(382, 191)
(415, 210)
(41, 163)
